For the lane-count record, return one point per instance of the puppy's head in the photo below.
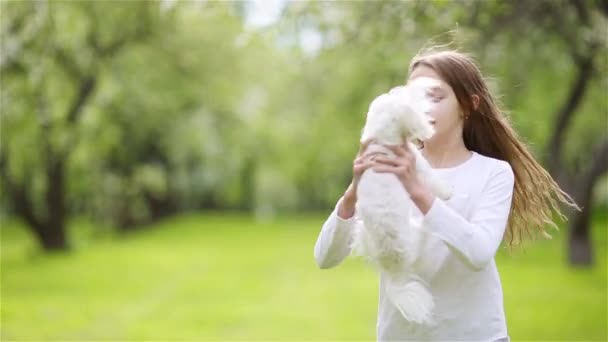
(415, 105)
(401, 114)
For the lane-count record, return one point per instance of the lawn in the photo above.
(218, 277)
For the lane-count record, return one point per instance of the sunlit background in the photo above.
(166, 166)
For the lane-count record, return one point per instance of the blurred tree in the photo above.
(137, 111)
(126, 112)
(168, 120)
(577, 29)
(44, 99)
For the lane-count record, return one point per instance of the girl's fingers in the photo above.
(397, 150)
(385, 168)
(363, 158)
(404, 152)
(372, 155)
(359, 169)
(387, 161)
(364, 165)
(363, 146)
(369, 155)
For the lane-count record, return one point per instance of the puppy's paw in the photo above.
(441, 189)
(444, 192)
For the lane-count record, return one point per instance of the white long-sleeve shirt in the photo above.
(463, 235)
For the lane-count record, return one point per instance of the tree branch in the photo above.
(602, 5)
(68, 64)
(85, 90)
(110, 49)
(581, 10)
(566, 113)
(12, 66)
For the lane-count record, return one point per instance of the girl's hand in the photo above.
(361, 163)
(403, 165)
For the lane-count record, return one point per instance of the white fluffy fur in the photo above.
(390, 238)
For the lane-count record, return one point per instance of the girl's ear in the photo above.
(475, 99)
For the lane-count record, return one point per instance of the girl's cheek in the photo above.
(438, 112)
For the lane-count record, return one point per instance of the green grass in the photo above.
(210, 277)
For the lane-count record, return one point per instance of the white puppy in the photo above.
(390, 238)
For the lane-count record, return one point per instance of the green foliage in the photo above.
(164, 119)
(191, 109)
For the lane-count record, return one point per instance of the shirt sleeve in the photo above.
(476, 241)
(333, 243)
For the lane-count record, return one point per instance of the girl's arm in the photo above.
(333, 243)
(475, 241)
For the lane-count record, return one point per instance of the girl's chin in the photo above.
(432, 138)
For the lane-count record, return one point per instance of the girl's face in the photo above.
(447, 112)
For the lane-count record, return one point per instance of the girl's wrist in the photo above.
(347, 206)
(346, 209)
(350, 195)
(422, 197)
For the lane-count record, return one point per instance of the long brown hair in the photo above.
(487, 131)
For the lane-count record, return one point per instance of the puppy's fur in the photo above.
(390, 238)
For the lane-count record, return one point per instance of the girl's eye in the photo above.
(436, 99)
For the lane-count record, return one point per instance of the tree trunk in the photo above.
(53, 235)
(52, 238)
(579, 186)
(49, 229)
(580, 251)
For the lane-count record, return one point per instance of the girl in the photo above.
(500, 191)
